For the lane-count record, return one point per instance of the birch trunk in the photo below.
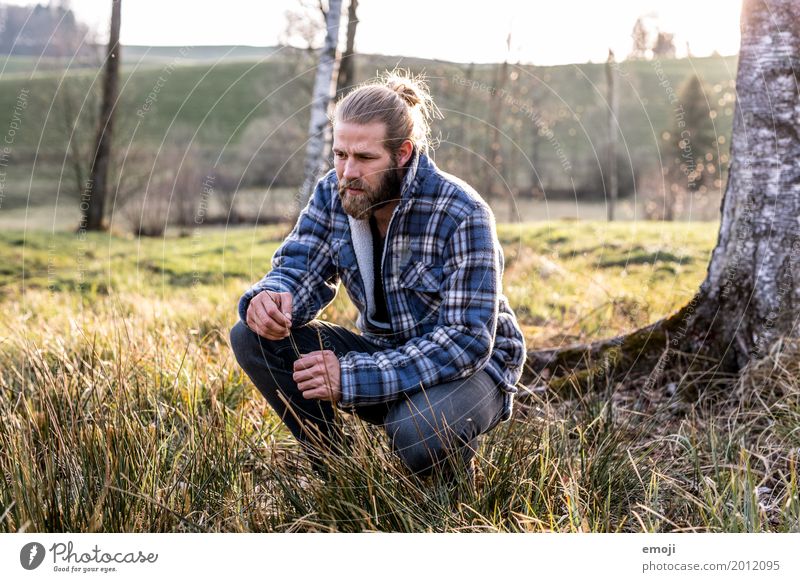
(324, 90)
(751, 294)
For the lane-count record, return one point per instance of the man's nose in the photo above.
(351, 170)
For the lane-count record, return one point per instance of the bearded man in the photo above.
(439, 351)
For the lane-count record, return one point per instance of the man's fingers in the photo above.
(318, 394)
(277, 316)
(313, 378)
(283, 308)
(310, 384)
(254, 323)
(260, 316)
(271, 315)
(304, 375)
(307, 361)
(269, 332)
(285, 305)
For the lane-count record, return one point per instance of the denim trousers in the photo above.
(436, 427)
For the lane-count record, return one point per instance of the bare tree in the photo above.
(750, 298)
(641, 42)
(94, 199)
(324, 90)
(494, 147)
(305, 25)
(613, 106)
(347, 64)
(664, 45)
(74, 113)
(75, 103)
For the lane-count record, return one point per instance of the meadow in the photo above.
(122, 408)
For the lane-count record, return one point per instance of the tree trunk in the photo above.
(347, 64)
(750, 298)
(493, 166)
(324, 89)
(94, 199)
(751, 295)
(613, 107)
(464, 132)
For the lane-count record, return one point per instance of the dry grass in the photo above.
(122, 409)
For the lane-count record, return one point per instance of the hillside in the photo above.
(245, 109)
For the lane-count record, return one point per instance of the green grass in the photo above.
(576, 281)
(122, 409)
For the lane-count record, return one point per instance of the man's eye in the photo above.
(339, 155)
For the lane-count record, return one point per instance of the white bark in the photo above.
(324, 90)
(751, 295)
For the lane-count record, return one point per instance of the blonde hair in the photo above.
(396, 99)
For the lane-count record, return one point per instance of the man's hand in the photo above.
(270, 314)
(318, 376)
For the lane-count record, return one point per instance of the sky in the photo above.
(542, 32)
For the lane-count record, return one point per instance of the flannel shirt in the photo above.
(442, 276)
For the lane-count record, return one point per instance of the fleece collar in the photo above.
(361, 233)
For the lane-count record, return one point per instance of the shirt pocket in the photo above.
(343, 256)
(421, 284)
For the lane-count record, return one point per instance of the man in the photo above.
(440, 350)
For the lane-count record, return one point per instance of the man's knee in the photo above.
(421, 444)
(242, 339)
(249, 348)
(418, 450)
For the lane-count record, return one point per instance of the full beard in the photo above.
(361, 206)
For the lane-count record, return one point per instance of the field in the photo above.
(122, 408)
(245, 113)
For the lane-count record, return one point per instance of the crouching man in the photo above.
(439, 350)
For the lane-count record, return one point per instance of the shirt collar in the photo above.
(418, 167)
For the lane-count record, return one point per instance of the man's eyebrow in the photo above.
(362, 153)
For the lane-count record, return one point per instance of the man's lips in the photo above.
(355, 191)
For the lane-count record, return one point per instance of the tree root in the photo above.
(580, 367)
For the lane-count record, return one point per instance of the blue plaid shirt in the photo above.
(442, 275)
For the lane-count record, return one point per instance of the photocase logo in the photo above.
(31, 555)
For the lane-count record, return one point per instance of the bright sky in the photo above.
(543, 32)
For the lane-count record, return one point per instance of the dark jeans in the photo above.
(430, 428)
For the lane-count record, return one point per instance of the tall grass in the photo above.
(122, 409)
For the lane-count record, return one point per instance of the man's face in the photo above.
(368, 174)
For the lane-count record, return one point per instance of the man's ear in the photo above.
(406, 149)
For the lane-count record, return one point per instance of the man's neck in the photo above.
(383, 215)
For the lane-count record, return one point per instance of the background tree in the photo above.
(613, 107)
(695, 137)
(641, 40)
(74, 102)
(305, 25)
(750, 298)
(664, 45)
(96, 189)
(43, 31)
(347, 64)
(324, 90)
(689, 152)
(493, 168)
